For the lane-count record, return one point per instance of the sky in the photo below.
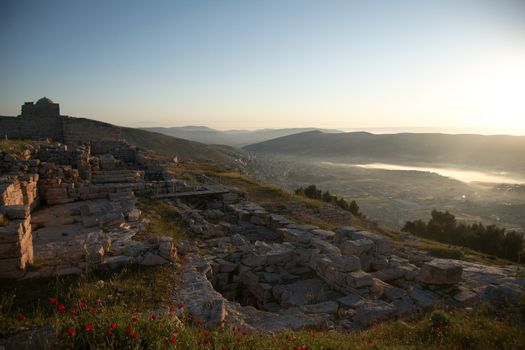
(248, 64)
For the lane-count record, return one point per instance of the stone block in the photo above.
(359, 279)
(440, 271)
(357, 247)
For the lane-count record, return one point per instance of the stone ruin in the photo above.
(87, 215)
(263, 271)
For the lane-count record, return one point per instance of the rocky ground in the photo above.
(260, 270)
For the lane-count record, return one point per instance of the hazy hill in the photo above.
(184, 149)
(236, 138)
(498, 152)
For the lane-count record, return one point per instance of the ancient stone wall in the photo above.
(16, 242)
(121, 150)
(32, 128)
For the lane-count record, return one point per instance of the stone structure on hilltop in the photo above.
(42, 108)
(42, 120)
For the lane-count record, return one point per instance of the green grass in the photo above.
(146, 287)
(164, 220)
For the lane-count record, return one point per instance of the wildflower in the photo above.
(206, 334)
(199, 330)
(199, 321)
(53, 301)
(173, 340)
(21, 317)
(129, 326)
(71, 332)
(154, 316)
(113, 325)
(223, 347)
(82, 304)
(133, 335)
(110, 331)
(61, 308)
(72, 312)
(181, 306)
(172, 309)
(89, 328)
(134, 319)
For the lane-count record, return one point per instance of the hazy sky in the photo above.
(252, 64)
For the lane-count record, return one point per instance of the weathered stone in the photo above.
(254, 260)
(152, 260)
(15, 212)
(238, 240)
(133, 215)
(347, 263)
(280, 255)
(440, 271)
(370, 311)
(358, 247)
(184, 247)
(327, 307)
(167, 249)
(350, 300)
(117, 261)
(466, 297)
(359, 279)
(424, 299)
(226, 266)
(300, 293)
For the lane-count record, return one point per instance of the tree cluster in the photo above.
(443, 227)
(314, 193)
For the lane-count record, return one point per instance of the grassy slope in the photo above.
(170, 146)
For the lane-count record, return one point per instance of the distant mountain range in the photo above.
(237, 138)
(497, 152)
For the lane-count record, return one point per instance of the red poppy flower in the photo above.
(173, 340)
(206, 334)
(223, 347)
(172, 309)
(72, 312)
(129, 326)
(181, 306)
(154, 316)
(110, 331)
(53, 301)
(61, 308)
(113, 325)
(132, 334)
(71, 331)
(89, 328)
(93, 310)
(134, 319)
(21, 317)
(82, 303)
(199, 330)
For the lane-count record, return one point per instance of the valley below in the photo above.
(392, 194)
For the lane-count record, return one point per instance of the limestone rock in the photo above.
(440, 271)
(153, 259)
(357, 247)
(327, 307)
